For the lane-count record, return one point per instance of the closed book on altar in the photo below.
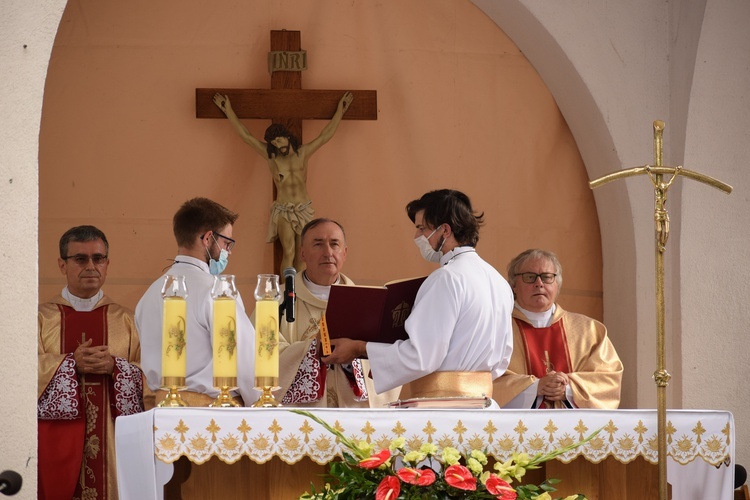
(371, 313)
(459, 402)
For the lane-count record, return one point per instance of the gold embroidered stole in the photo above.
(78, 327)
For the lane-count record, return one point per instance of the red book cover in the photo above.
(371, 313)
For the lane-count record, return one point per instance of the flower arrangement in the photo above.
(395, 473)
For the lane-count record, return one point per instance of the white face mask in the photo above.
(428, 253)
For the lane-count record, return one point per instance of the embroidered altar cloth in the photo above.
(165, 434)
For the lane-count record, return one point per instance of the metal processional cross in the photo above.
(656, 174)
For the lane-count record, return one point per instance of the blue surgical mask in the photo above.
(216, 267)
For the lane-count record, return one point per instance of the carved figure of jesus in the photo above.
(287, 161)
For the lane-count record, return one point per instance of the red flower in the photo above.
(501, 489)
(420, 477)
(388, 489)
(460, 477)
(375, 460)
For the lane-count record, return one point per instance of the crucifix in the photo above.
(656, 175)
(286, 104)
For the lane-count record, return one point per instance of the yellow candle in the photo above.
(225, 337)
(173, 341)
(267, 338)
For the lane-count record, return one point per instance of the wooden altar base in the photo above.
(217, 480)
(609, 479)
(276, 480)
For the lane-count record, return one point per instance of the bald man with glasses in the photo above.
(560, 359)
(89, 352)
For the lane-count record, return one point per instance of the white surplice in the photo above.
(199, 377)
(461, 321)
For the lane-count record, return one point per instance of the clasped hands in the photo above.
(95, 359)
(552, 386)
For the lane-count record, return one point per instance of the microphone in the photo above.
(290, 298)
(10, 482)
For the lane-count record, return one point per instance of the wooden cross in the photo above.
(286, 102)
(656, 174)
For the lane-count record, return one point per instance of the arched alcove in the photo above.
(459, 106)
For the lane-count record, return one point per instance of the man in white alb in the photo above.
(203, 230)
(460, 335)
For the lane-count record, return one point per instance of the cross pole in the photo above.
(656, 174)
(286, 102)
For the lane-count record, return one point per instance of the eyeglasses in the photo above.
(82, 259)
(230, 241)
(547, 278)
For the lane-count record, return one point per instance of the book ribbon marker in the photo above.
(325, 339)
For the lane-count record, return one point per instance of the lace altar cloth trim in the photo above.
(261, 434)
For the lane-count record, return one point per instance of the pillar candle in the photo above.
(225, 337)
(173, 341)
(267, 338)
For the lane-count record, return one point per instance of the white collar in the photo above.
(321, 292)
(538, 319)
(448, 257)
(79, 304)
(192, 261)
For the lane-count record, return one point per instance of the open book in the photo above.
(371, 313)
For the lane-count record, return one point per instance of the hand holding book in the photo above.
(345, 351)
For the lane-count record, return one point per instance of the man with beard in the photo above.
(203, 231)
(287, 161)
(88, 350)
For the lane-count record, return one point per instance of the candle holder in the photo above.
(266, 385)
(173, 399)
(225, 399)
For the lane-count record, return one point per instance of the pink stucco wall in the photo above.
(459, 106)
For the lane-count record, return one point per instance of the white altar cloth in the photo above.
(700, 443)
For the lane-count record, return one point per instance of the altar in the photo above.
(700, 445)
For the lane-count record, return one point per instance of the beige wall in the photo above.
(27, 31)
(458, 106)
(611, 69)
